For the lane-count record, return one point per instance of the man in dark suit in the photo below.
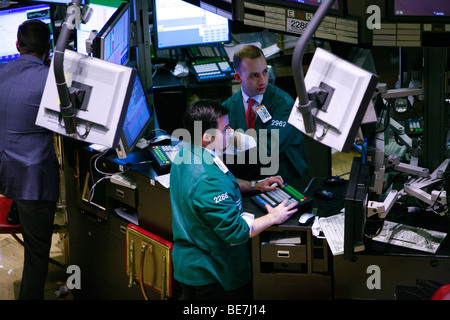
(28, 165)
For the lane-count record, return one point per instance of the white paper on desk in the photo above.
(333, 228)
(164, 180)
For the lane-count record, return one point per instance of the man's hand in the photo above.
(276, 215)
(281, 213)
(266, 184)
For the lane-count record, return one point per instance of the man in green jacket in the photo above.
(268, 116)
(210, 230)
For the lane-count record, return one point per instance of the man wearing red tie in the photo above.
(265, 108)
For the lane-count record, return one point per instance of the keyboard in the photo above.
(162, 157)
(274, 198)
(411, 237)
(333, 229)
(123, 179)
(212, 69)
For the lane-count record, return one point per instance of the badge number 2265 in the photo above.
(296, 25)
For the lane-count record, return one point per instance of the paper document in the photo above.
(333, 228)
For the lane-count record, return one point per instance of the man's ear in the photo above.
(237, 76)
(207, 139)
(17, 45)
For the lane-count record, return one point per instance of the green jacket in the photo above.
(210, 236)
(292, 157)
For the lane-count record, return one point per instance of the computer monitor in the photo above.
(108, 88)
(10, 20)
(356, 207)
(338, 7)
(112, 43)
(138, 120)
(181, 24)
(100, 16)
(350, 91)
(53, 1)
(418, 10)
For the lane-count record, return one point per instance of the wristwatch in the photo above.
(253, 185)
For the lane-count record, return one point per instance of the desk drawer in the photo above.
(123, 194)
(283, 253)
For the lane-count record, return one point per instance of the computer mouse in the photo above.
(334, 181)
(306, 218)
(323, 194)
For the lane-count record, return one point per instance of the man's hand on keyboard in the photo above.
(269, 184)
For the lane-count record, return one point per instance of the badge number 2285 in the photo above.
(296, 25)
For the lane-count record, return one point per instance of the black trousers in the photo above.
(36, 220)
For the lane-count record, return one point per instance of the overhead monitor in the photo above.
(112, 43)
(350, 90)
(181, 24)
(338, 7)
(138, 120)
(10, 20)
(419, 10)
(100, 16)
(54, 1)
(108, 88)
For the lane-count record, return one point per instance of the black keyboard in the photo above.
(274, 198)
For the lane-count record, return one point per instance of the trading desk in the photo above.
(386, 271)
(299, 270)
(303, 270)
(97, 234)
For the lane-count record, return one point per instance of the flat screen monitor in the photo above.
(10, 20)
(138, 120)
(338, 8)
(100, 16)
(54, 1)
(350, 92)
(356, 198)
(181, 24)
(419, 10)
(108, 89)
(112, 43)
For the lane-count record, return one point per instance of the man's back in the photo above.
(27, 157)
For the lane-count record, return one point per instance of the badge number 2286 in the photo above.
(296, 25)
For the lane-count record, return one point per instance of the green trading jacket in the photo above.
(291, 146)
(210, 236)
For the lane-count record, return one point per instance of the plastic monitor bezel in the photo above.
(339, 136)
(114, 96)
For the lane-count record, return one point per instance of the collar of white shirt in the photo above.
(258, 98)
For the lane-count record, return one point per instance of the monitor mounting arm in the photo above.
(317, 96)
(69, 98)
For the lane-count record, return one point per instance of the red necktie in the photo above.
(250, 117)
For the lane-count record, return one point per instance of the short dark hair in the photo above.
(207, 112)
(34, 37)
(248, 51)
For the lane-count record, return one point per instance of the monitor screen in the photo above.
(54, 1)
(418, 10)
(430, 8)
(337, 8)
(108, 87)
(10, 20)
(181, 24)
(113, 41)
(100, 16)
(350, 93)
(137, 120)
